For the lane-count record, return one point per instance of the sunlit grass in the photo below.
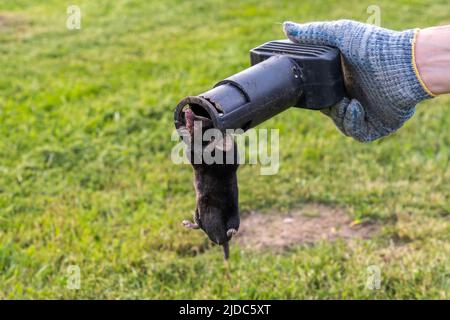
(86, 177)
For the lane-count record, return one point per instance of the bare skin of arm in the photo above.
(432, 53)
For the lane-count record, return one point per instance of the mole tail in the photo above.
(226, 250)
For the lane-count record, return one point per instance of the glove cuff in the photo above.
(414, 64)
(394, 64)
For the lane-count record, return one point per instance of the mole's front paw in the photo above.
(190, 225)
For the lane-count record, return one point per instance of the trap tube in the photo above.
(249, 97)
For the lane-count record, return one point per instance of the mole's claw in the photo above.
(190, 225)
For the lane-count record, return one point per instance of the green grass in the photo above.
(86, 177)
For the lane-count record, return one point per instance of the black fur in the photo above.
(217, 210)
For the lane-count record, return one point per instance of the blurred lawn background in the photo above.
(86, 177)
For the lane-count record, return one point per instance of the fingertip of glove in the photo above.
(354, 121)
(287, 26)
(339, 109)
(289, 29)
(354, 110)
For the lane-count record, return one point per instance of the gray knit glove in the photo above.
(380, 71)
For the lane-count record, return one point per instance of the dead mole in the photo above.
(216, 187)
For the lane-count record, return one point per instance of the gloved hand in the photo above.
(380, 74)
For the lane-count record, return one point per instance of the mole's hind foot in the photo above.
(231, 232)
(190, 225)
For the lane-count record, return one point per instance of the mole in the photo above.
(216, 186)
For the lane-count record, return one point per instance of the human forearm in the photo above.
(432, 55)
